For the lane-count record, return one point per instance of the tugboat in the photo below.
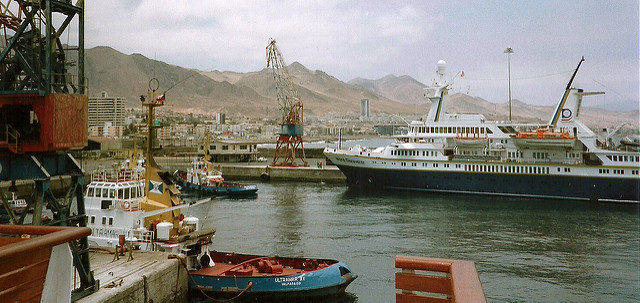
(205, 179)
(269, 278)
(141, 204)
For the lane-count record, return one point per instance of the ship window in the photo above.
(93, 219)
(127, 193)
(120, 194)
(110, 220)
(111, 193)
(104, 220)
(90, 192)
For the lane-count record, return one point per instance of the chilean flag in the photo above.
(160, 99)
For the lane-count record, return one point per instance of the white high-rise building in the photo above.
(364, 108)
(105, 109)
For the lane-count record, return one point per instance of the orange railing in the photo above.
(24, 258)
(437, 280)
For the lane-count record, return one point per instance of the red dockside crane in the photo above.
(289, 146)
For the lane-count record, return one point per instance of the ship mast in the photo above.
(160, 192)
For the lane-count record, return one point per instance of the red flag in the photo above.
(160, 99)
(462, 74)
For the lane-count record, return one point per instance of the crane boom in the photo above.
(289, 145)
(286, 92)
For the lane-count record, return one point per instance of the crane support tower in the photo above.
(289, 147)
(43, 115)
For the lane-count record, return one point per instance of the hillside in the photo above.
(253, 94)
(403, 89)
(250, 94)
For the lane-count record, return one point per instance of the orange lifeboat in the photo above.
(544, 138)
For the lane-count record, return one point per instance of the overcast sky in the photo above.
(371, 39)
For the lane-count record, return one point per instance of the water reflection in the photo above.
(290, 220)
(524, 249)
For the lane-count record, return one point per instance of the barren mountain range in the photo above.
(253, 94)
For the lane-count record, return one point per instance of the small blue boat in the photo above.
(270, 278)
(218, 188)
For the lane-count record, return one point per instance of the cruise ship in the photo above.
(465, 153)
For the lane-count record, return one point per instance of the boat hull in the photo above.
(327, 278)
(319, 283)
(231, 190)
(537, 186)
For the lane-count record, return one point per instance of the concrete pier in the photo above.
(149, 277)
(253, 171)
(311, 174)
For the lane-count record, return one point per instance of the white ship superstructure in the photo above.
(112, 201)
(465, 153)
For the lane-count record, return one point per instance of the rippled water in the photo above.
(524, 250)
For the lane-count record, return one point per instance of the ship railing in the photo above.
(141, 236)
(144, 236)
(26, 255)
(122, 175)
(437, 280)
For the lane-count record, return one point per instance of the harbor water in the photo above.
(524, 249)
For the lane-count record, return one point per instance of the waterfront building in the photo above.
(231, 151)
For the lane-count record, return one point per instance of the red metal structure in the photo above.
(33, 123)
(42, 103)
(289, 147)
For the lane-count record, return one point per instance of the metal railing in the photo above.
(437, 280)
(11, 136)
(121, 175)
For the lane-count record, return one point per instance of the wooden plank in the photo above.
(27, 291)
(466, 283)
(421, 263)
(7, 240)
(432, 284)
(26, 273)
(15, 261)
(411, 298)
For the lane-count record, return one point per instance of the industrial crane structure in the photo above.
(43, 115)
(289, 147)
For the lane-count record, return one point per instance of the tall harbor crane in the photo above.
(43, 115)
(289, 147)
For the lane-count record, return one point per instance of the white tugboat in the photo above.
(464, 153)
(140, 203)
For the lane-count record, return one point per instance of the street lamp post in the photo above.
(509, 51)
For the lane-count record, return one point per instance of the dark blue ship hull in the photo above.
(538, 186)
(235, 190)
